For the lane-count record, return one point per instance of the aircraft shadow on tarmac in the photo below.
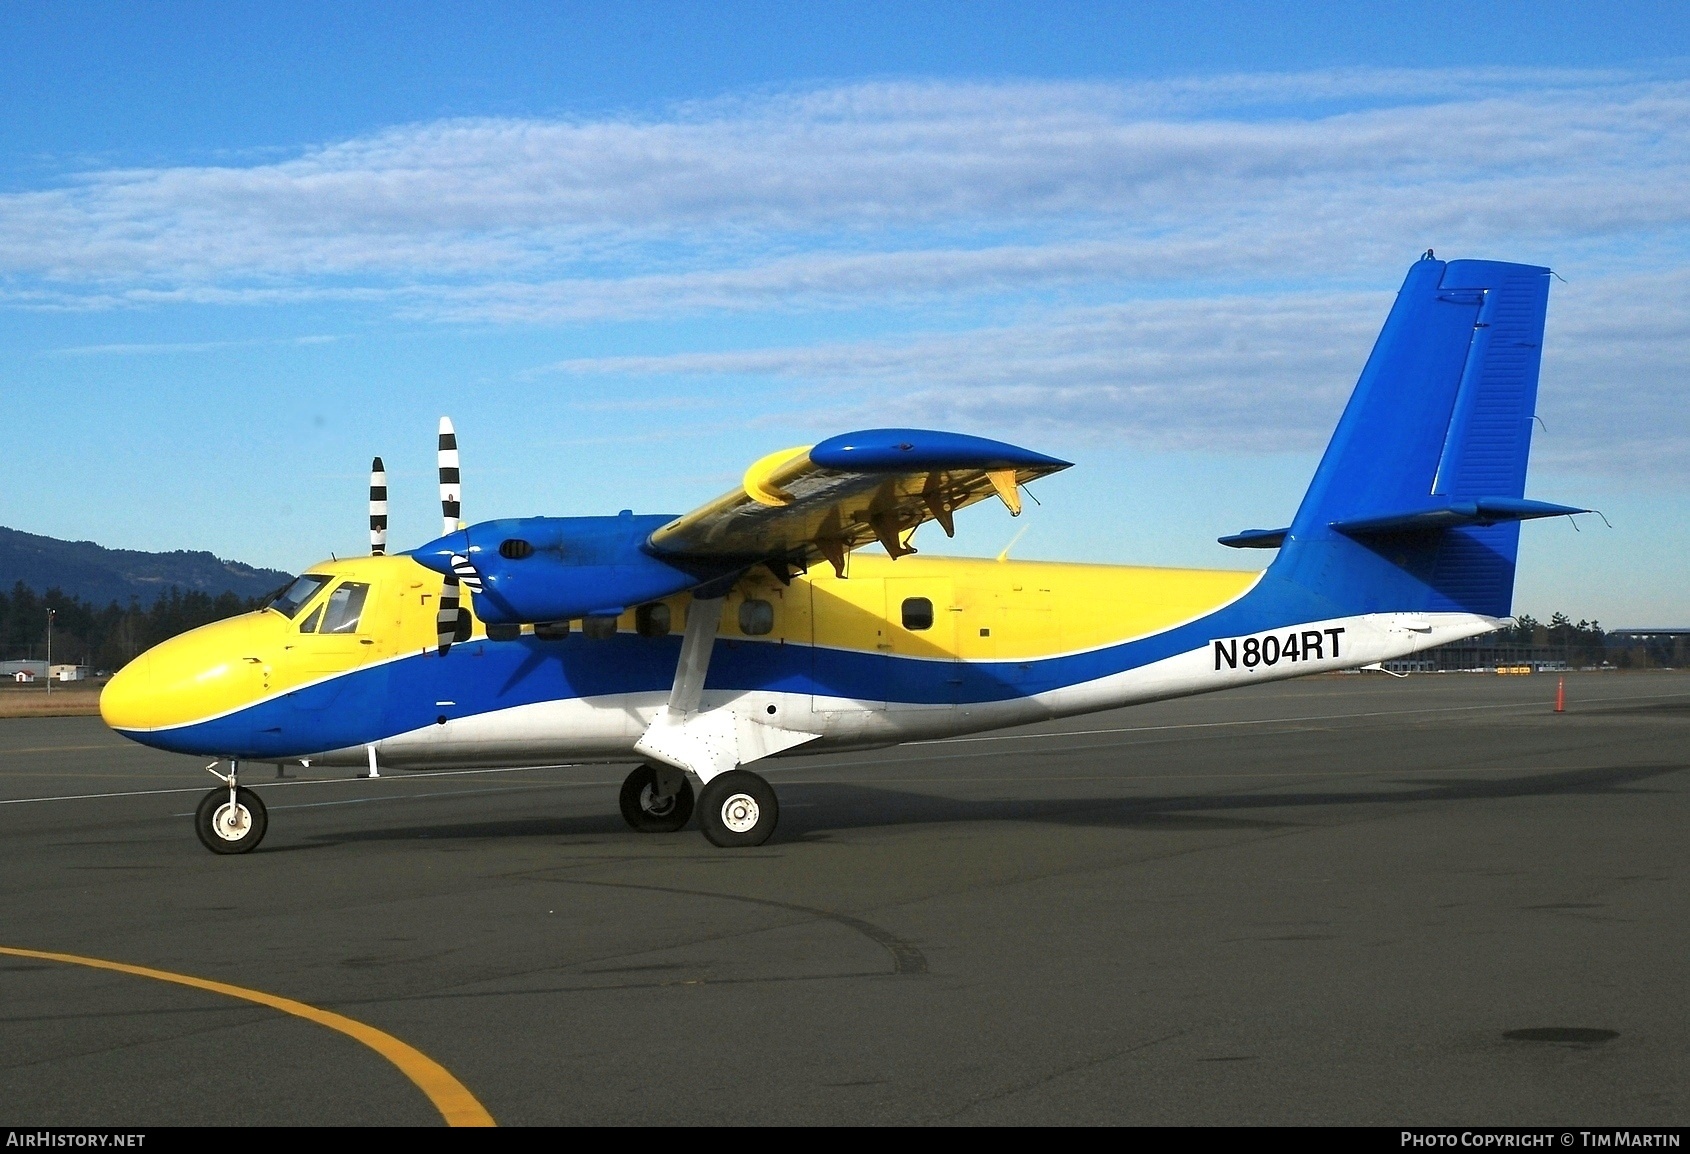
(830, 807)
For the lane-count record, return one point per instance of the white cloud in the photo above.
(1106, 219)
(889, 169)
(1261, 373)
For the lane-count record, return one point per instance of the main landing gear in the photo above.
(231, 818)
(735, 809)
(656, 799)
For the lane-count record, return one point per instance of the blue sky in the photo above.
(244, 248)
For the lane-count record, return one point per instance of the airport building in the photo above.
(1663, 647)
(9, 670)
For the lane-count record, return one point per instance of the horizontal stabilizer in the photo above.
(1449, 514)
(1255, 539)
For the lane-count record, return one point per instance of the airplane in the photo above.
(759, 625)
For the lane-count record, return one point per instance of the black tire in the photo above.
(255, 818)
(737, 809)
(641, 810)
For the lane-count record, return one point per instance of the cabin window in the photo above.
(293, 598)
(599, 628)
(344, 606)
(515, 549)
(551, 630)
(756, 617)
(503, 632)
(310, 625)
(651, 620)
(918, 613)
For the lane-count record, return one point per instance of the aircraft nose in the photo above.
(127, 700)
(207, 672)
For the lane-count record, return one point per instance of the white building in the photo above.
(70, 673)
(24, 677)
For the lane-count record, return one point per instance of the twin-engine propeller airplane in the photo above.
(753, 626)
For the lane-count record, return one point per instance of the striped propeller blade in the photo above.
(446, 620)
(451, 495)
(465, 572)
(378, 508)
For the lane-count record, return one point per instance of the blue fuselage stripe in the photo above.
(368, 704)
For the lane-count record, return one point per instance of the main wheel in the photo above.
(645, 811)
(225, 828)
(737, 809)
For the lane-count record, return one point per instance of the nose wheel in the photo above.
(737, 809)
(231, 818)
(656, 800)
(231, 826)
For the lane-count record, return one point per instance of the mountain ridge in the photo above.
(100, 575)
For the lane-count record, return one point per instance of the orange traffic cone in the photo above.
(1561, 695)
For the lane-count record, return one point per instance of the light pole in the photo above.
(51, 613)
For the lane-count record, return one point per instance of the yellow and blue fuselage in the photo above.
(919, 647)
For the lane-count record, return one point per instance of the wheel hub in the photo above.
(231, 822)
(740, 813)
(654, 805)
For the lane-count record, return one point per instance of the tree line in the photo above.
(105, 638)
(1582, 644)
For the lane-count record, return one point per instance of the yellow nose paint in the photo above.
(203, 673)
(228, 665)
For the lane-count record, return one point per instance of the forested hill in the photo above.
(100, 576)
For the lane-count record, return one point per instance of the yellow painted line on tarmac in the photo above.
(451, 1097)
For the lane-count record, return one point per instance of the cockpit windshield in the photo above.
(296, 595)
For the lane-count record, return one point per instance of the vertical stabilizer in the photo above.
(1417, 502)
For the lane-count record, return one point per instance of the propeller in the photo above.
(378, 508)
(452, 619)
(451, 491)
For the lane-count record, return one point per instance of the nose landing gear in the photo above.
(231, 819)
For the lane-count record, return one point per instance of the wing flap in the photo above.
(878, 485)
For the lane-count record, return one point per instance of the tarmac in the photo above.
(1349, 899)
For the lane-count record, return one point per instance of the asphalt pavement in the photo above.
(1350, 899)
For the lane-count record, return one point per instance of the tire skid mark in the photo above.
(906, 957)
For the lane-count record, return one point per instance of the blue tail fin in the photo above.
(1417, 503)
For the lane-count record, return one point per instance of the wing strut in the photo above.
(709, 742)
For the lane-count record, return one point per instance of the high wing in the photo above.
(794, 507)
(822, 501)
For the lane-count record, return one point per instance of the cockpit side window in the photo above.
(294, 597)
(344, 606)
(310, 624)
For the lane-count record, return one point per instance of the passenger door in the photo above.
(849, 647)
